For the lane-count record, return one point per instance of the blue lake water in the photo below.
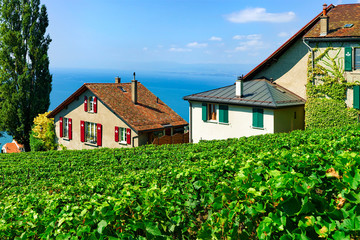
(169, 86)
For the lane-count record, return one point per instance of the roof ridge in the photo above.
(271, 94)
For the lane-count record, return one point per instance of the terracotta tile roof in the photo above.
(339, 16)
(12, 147)
(147, 114)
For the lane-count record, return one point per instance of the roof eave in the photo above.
(67, 101)
(155, 129)
(250, 104)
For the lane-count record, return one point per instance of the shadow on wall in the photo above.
(285, 63)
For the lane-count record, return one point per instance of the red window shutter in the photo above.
(128, 136)
(82, 131)
(61, 127)
(99, 134)
(116, 134)
(70, 129)
(95, 105)
(85, 104)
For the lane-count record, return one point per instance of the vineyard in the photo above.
(301, 185)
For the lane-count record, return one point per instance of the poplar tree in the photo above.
(25, 80)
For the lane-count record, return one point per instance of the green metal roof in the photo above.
(259, 93)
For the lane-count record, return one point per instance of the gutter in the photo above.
(312, 55)
(190, 122)
(333, 39)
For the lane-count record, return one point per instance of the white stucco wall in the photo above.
(75, 111)
(240, 124)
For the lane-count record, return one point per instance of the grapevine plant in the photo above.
(298, 185)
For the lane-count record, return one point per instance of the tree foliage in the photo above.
(24, 66)
(43, 134)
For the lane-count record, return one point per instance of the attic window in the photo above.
(122, 89)
(348, 25)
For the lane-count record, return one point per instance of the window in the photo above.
(352, 58)
(123, 135)
(258, 118)
(90, 132)
(66, 128)
(91, 104)
(208, 112)
(357, 58)
(211, 112)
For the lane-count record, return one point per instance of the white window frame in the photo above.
(356, 50)
(90, 132)
(91, 104)
(123, 135)
(216, 112)
(65, 128)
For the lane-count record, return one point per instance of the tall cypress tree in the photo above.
(25, 80)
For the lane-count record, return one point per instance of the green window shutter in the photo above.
(356, 93)
(348, 59)
(223, 113)
(204, 112)
(258, 117)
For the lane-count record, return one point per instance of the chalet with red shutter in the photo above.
(114, 115)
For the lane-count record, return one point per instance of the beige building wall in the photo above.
(240, 124)
(290, 70)
(339, 48)
(104, 116)
(289, 119)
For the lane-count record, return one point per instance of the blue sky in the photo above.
(113, 34)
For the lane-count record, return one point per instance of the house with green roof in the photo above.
(244, 109)
(274, 92)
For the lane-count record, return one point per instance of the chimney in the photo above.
(117, 80)
(239, 88)
(324, 22)
(134, 90)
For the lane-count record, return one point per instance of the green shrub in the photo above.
(325, 112)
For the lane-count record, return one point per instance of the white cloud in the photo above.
(247, 37)
(213, 38)
(239, 37)
(249, 45)
(197, 45)
(250, 42)
(173, 49)
(259, 15)
(145, 49)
